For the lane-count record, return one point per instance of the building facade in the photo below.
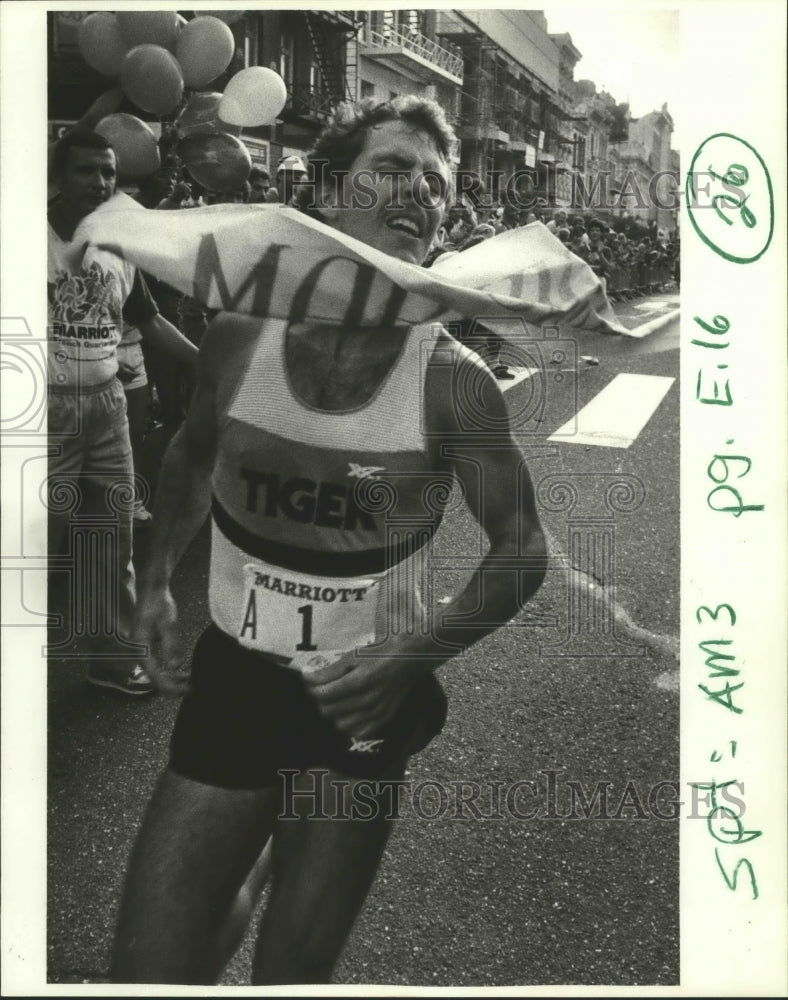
(399, 53)
(510, 120)
(506, 84)
(649, 171)
(571, 140)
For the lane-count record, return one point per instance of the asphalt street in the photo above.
(581, 688)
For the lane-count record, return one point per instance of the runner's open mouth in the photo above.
(406, 225)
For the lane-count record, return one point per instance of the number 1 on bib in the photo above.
(305, 646)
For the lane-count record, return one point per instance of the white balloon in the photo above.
(254, 96)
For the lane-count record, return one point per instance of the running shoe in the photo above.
(134, 681)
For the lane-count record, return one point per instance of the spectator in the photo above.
(559, 221)
(259, 184)
(461, 222)
(290, 173)
(597, 257)
(510, 217)
(579, 235)
(238, 196)
(480, 234)
(159, 186)
(90, 451)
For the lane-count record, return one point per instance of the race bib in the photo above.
(297, 616)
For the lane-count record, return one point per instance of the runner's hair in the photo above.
(342, 140)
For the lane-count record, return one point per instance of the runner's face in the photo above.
(405, 178)
(87, 180)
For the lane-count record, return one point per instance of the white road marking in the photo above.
(616, 415)
(658, 323)
(654, 305)
(520, 375)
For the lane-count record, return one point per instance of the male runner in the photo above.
(319, 452)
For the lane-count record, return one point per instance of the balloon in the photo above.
(152, 79)
(104, 105)
(156, 27)
(201, 114)
(217, 161)
(228, 16)
(254, 96)
(204, 49)
(101, 43)
(135, 145)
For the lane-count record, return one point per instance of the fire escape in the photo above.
(332, 35)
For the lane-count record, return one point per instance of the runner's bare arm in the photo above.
(499, 493)
(361, 694)
(182, 504)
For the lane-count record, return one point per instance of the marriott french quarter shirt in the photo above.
(86, 312)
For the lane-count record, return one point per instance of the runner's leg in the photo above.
(232, 933)
(322, 872)
(196, 846)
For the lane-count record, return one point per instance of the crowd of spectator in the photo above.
(632, 259)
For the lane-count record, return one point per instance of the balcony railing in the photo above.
(419, 45)
(310, 102)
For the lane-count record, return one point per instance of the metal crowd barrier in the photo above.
(638, 278)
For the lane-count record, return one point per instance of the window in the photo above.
(65, 28)
(580, 153)
(367, 89)
(286, 57)
(411, 22)
(382, 21)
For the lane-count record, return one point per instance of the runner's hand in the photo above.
(157, 628)
(360, 695)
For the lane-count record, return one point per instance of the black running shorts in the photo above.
(247, 718)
